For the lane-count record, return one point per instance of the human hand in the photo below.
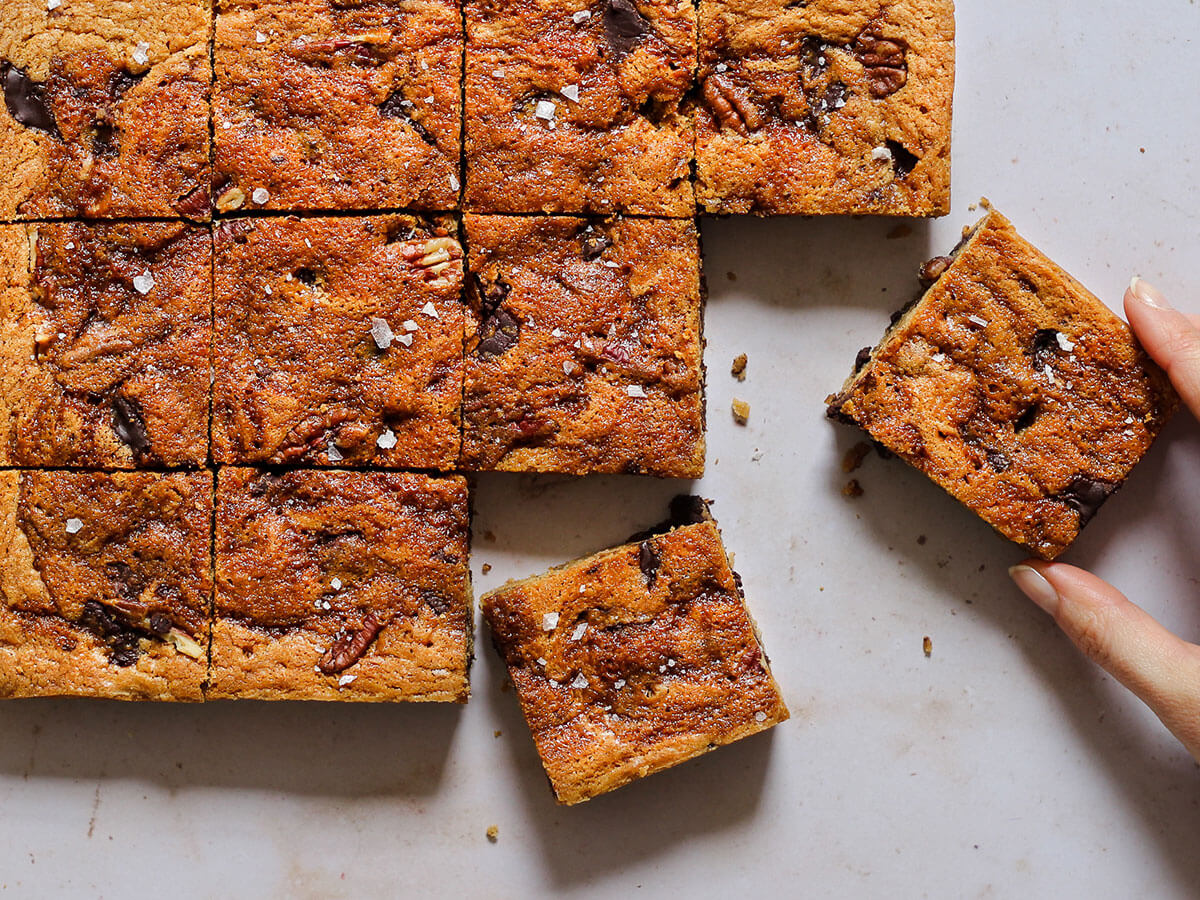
(1159, 667)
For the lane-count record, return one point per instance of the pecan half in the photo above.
(349, 648)
(731, 105)
(433, 257)
(884, 58)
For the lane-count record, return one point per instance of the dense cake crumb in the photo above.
(338, 341)
(580, 106)
(105, 109)
(323, 104)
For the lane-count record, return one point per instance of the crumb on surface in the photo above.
(738, 369)
(493, 833)
(741, 411)
(852, 488)
(855, 455)
(487, 567)
(497, 733)
(927, 646)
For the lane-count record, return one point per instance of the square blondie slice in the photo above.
(584, 346)
(1013, 388)
(323, 104)
(825, 107)
(106, 584)
(338, 341)
(635, 659)
(341, 586)
(580, 106)
(106, 108)
(105, 334)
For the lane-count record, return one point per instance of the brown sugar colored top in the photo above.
(575, 106)
(338, 341)
(105, 109)
(322, 104)
(104, 334)
(583, 346)
(327, 579)
(633, 659)
(825, 107)
(106, 585)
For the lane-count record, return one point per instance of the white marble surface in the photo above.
(1003, 766)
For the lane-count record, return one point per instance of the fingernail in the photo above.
(1034, 586)
(1148, 293)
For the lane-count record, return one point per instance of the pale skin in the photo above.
(1159, 667)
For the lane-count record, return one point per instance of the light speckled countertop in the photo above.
(1002, 766)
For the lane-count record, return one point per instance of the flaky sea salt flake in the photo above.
(549, 621)
(387, 440)
(580, 682)
(544, 110)
(430, 310)
(579, 631)
(381, 333)
(140, 56)
(74, 525)
(260, 195)
(571, 92)
(143, 283)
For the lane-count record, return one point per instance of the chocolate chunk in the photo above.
(397, 107)
(104, 140)
(1086, 495)
(26, 100)
(934, 269)
(863, 357)
(884, 58)
(1026, 418)
(594, 244)
(624, 26)
(129, 424)
(997, 461)
(121, 639)
(123, 81)
(437, 602)
(648, 561)
(489, 294)
(687, 509)
(903, 160)
(124, 580)
(160, 624)
(1045, 346)
(499, 333)
(349, 648)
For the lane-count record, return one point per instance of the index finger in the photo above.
(1170, 337)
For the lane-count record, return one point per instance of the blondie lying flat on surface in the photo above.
(635, 659)
(1013, 388)
(106, 108)
(584, 347)
(341, 586)
(106, 584)
(825, 107)
(105, 334)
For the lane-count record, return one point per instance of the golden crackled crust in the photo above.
(105, 339)
(333, 105)
(106, 110)
(584, 349)
(633, 660)
(301, 376)
(825, 107)
(1012, 387)
(616, 76)
(106, 584)
(341, 586)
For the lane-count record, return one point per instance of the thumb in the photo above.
(1160, 668)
